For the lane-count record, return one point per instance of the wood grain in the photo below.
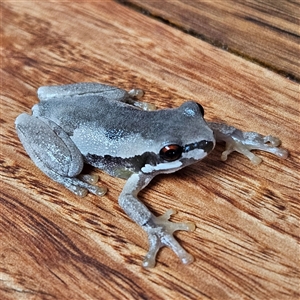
(54, 245)
(266, 32)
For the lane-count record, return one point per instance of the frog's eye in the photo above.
(201, 109)
(171, 152)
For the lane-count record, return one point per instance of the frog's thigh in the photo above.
(49, 146)
(83, 89)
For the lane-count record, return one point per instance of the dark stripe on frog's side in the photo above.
(122, 167)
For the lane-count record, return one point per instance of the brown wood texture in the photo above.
(54, 245)
(267, 32)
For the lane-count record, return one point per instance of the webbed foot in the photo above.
(244, 142)
(160, 233)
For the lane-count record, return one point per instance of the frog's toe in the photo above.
(159, 241)
(80, 187)
(245, 142)
(82, 191)
(78, 191)
(97, 190)
(92, 179)
(160, 234)
(144, 105)
(89, 184)
(271, 144)
(136, 93)
(150, 258)
(241, 148)
(171, 227)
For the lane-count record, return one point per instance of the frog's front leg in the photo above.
(52, 150)
(244, 142)
(159, 229)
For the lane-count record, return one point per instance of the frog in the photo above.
(111, 129)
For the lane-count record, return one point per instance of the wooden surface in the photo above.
(266, 32)
(54, 245)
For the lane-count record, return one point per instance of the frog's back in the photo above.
(69, 112)
(69, 105)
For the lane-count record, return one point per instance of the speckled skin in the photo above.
(111, 134)
(100, 125)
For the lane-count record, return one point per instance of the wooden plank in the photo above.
(266, 32)
(55, 245)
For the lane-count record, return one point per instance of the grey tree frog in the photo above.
(109, 128)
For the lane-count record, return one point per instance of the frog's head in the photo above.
(185, 139)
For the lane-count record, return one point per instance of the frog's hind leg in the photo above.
(52, 150)
(81, 90)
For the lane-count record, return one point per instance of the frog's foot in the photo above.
(81, 185)
(138, 94)
(160, 233)
(244, 142)
(88, 184)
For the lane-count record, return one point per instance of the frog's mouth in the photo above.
(165, 167)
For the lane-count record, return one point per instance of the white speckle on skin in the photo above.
(196, 154)
(94, 141)
(189, 112)
(163, 166)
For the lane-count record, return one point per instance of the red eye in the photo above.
(171, 152)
